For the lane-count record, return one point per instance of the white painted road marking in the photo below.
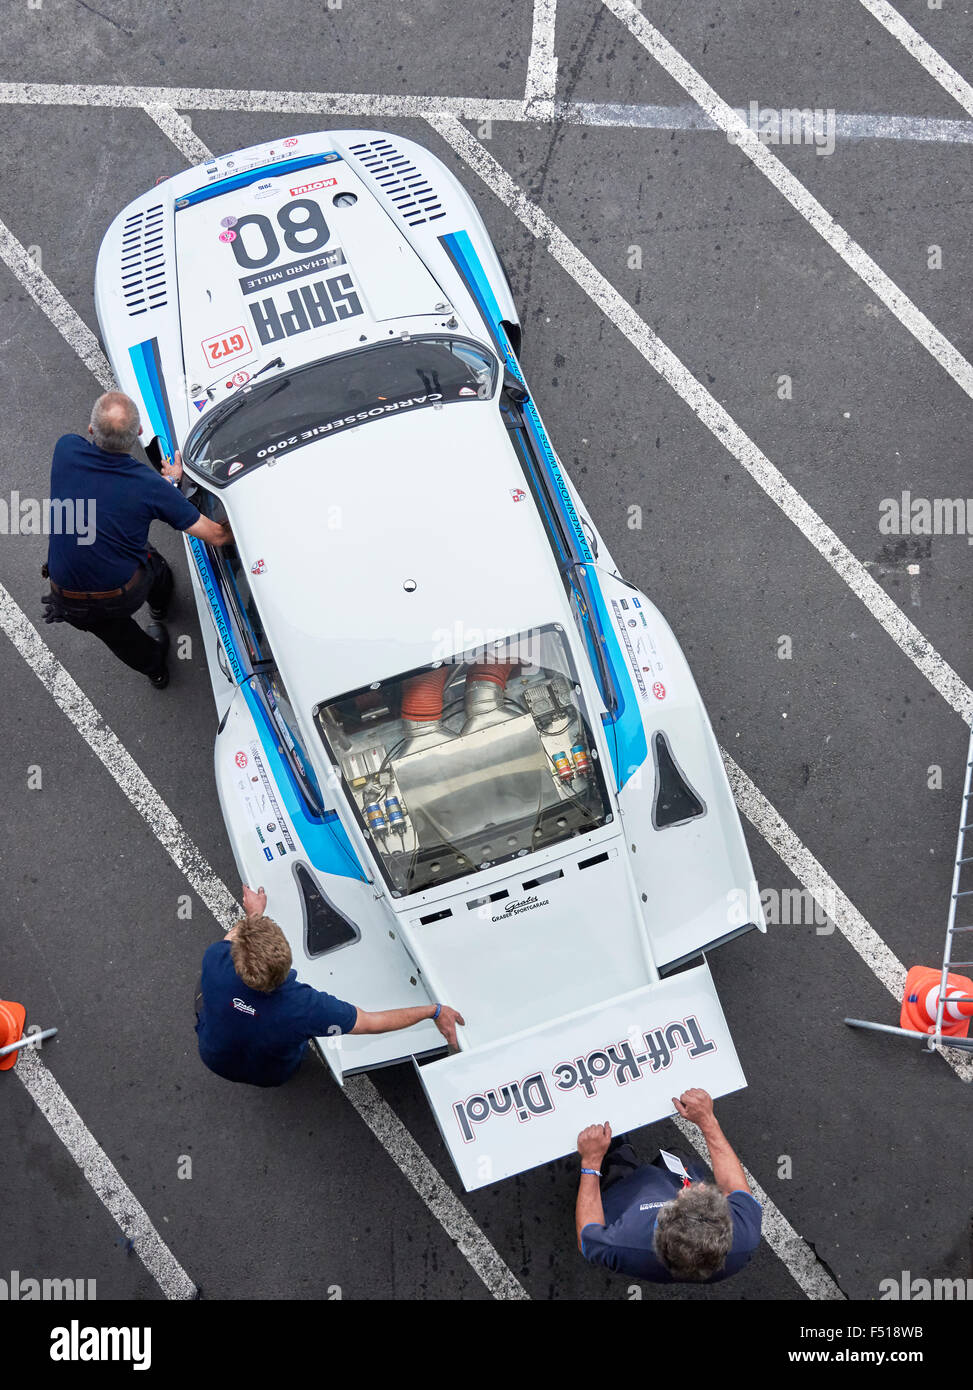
(179, 131)
(104, 1177)
(716, 419)
(880, 958)
(934, 63)
(800, 198)
(51, 301)
(848, 125)
(541, 85)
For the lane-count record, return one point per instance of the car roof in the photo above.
(339, 531)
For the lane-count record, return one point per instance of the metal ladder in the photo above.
(964, 932)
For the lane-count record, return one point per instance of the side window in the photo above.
(236, 581)
(282, 712)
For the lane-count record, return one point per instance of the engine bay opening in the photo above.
(479, 759)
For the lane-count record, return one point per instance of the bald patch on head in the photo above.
(115, 422)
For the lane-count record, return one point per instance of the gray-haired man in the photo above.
(651, 1222)
(103, 572)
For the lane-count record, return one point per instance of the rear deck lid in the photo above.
(521, 1101)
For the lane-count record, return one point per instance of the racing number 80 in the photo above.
(294, 230)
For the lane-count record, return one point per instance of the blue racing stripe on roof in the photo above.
(248, 176)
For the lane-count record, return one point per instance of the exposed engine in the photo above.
(458, 767)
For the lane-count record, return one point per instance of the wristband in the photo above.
(439, 1009)
(593, 1172)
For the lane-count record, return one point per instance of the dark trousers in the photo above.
(621, 1161)
(112, 620)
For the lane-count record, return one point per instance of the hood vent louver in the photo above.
(400, 181)
(143, 261)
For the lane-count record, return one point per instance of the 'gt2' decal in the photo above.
(226, 346)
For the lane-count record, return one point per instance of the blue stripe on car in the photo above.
(248, 176)
(628, 748)
(324, 839)
(148, 374)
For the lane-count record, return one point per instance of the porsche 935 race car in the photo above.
(466, 758)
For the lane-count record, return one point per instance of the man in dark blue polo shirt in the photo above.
(254, 1018)
(101, 575)
(656, 1224)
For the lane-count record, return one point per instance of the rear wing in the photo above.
(513, 1104)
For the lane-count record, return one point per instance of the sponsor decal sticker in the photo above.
(659, 690)
(268, 855)
(272, 798)
(201, 405)
(317, 305)
(258, 566)
(275, 447)
(627, 1060)
(238, 379)
(228, 235)
(310, 187)
(227, 221)
(290, 143)
(233, 342)
(519, 905)
(241, 759)
(633, 661)
(517, 494)
(234, 468)
(293, 270)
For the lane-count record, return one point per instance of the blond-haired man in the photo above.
(255, 1019)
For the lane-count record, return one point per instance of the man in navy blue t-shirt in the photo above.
(255, 1019)
(102, 572)
(653, 1223)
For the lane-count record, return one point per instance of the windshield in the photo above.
(480, 759)
(279, 416)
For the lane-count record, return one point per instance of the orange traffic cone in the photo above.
(921, 1000)
(12, 1017)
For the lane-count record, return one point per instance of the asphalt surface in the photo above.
(290, 1194)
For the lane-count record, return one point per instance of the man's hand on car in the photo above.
(254, 902)
(446, 1023)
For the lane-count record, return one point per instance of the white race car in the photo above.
(465, 757)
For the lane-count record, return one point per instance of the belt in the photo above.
(105, 593)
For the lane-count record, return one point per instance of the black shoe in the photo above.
(161, 635)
